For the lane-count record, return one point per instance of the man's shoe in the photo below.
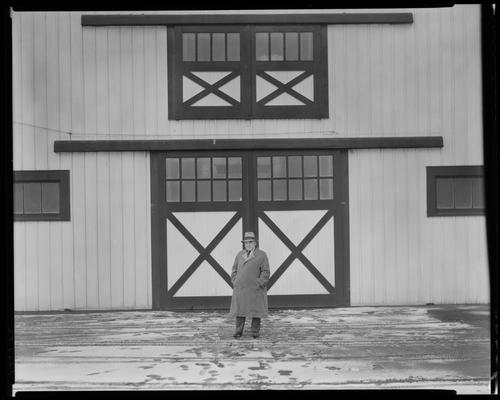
(255, 335)
(237, 335)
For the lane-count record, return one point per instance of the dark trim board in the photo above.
(61, 146)
(276, 301)
(193, 19)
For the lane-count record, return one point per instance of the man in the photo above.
(250, 275)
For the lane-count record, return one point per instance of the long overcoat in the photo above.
(250, 277)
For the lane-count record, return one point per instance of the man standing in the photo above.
(250, 275)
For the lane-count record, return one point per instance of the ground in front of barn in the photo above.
(431, 347)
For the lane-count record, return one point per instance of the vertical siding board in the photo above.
(32, 302)
(150, 65)
(138, 80)
(161, 81)
(77, 78)
(140, 231)
(128, 229)
(148, 250)
(114, 80)
(116, 227)
(363, 47)
(20, 267)
(103, 229)
(126, 98)
(355, 229)
(102, 81)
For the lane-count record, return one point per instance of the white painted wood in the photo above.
(284, 99)
(103, 230)
(116, 230)
(32, 260)
(204, 226)
(296, 224)
(226, 250)
(205, 281)
(276, 251)
(138, 80)
(232, 88)
(150, 73)
(297, 280)
(128, 184)
(142, 225)
(20, 276)
(180, 254)
(211, 101)
(321, 251)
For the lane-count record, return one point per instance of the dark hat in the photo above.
(249, 236)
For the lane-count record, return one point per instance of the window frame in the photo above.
(465, 171)
(248, 67)
(42, 176)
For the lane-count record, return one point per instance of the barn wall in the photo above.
(73, 82)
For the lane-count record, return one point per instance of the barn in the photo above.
(349, 141)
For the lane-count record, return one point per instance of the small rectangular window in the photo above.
(455, 191)
(41, 195)
(292, 46)
(233, 47)
(203, 46)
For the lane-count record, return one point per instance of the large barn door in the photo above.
(300, 206)
(204, 201)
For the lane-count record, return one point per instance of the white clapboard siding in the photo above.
(414, 79)
(398, 255)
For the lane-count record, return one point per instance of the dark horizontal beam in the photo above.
(197, 19)
(61, 146)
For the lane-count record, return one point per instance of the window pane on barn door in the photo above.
(326, 189)
(306, 46)
(462, 191)
(173, 191)
(50, 197)
(32, 198)
(188, 190)
(294, 166)
(188, 46)
(264, 190)
(310, 166)
(233, 47)
(291, 46)
(203, 167)
(325, 166)
(219, 190)
(18, 198)
(219, 167)
(444, 192)
(234, 167)
(218, 47)
(264, 167)
(310, 189)
(279, 189)
(203, 47)
(279, 167)
(262, 46)
(187, 168)
(277, 46)
(172, 165)
(295, 189)
(235, 190)
(204, 190)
